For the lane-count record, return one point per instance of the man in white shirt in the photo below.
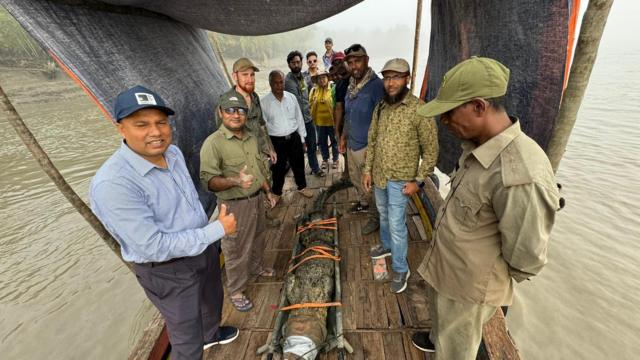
(286, 129)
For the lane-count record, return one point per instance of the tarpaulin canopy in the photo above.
(111, 45)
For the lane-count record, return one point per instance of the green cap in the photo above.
(243, 64)
(232, 99)
(397, 65)
(477, 77)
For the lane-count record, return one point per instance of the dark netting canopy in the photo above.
(111, 45)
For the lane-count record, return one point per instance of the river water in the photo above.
(64, 295)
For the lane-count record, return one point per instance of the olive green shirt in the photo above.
(495, 223)
(398, 139)
(224, 154)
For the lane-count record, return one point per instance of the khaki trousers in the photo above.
(243, 251)
(356, 160)
(456, 326)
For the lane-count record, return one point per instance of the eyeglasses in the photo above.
(393, 78)
(353, 48)
(233, 110)
(312, 61)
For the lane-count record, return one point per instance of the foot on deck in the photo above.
(370, 227)
(421, 341)
(399, 282)
(226, 334)
(379, 252)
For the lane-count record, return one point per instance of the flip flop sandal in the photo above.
(267, 272)
(242, 304)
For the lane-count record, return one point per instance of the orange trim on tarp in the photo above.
(573, 24)
(423, 89)
(81, 84)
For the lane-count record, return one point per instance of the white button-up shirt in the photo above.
(282, 117)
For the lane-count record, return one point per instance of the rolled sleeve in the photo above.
(526, 215)
(210, 164)
(428, 137)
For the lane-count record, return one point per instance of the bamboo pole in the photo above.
(218, 51)
(416, 45)
(49, 168)
(591, 30)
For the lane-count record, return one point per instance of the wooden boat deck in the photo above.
(377, 323)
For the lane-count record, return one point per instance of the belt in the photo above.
(246, 197)
(154, 264)
(286, 137)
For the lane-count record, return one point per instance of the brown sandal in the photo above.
(242, 303)
(267, 272)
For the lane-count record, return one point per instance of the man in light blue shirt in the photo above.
(145, 198)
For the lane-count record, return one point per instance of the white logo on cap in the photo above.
(233, 98)
(145, 99)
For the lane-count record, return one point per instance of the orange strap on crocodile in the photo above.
(319, 224)
(310, 305)
(322, 254)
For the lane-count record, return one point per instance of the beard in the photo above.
(248, 88)
(391, 100)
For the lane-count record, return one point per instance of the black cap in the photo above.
(136, 98)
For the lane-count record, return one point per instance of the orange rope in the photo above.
(313, 248)
(323, 256)
(319, 224)
(310, 305)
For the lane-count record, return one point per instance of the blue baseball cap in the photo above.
(136, 98)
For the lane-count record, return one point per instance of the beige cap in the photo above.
(321, 71)
(397, 64)
(243, 64)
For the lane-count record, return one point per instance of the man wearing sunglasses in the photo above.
(312, 69)
(232, 167)
(294, 83)
(364, 92)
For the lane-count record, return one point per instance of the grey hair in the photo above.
(273, 73)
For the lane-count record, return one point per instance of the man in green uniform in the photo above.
(494, 225)
(232, 167)
(396, 129)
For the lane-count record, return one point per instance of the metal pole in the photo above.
(591, 31)
(416, 43)
(49, 168)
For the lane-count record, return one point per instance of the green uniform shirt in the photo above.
(495, 223)
(398, 139)
(223, 154)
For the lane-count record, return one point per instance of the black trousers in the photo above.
(289, 149)
(188, 293)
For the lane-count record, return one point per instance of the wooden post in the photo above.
(218, 51)
(416, 44)
(591, 31)
(47, 166)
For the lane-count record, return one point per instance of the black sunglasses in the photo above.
(233, 110)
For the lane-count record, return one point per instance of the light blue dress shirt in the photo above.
(153, 213)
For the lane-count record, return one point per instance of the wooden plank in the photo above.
(415, 219)
(497, 340)
(257, 339)
(356, 342)
(152, 342)
(366, 270)
(373, 348)
(394, 317)
(393, 345)
(259, 293)
(410, 351)
(265, 318)
(349, 306)
(377, 313)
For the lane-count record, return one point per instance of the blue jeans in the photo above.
(392, 206)
(326, 134)
(311, 141)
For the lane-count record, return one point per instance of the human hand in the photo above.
(272, 199)
(342, 145)
(244, 180)
(273, 156)
(410, 188)
(366, 182)
(228, 221)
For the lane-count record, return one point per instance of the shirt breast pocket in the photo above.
(466, 210)
(232, 166)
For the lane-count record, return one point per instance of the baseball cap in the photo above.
(243, 64)
(136, 98)
(328, 40)
(477, 77)
(338, 56)
(397, 64)
(355, 50)
(232, 99)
